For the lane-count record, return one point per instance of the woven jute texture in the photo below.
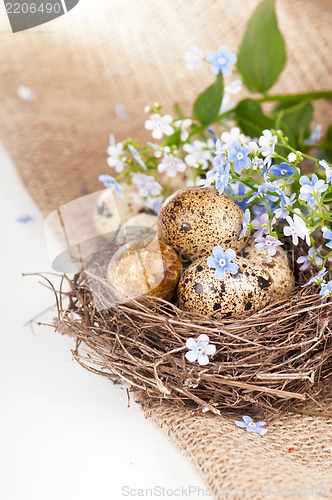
(102, 54)
(293, 459)
(83, 67)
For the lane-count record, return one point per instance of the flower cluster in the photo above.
(263, 174)
(282, 201)
(277, 199)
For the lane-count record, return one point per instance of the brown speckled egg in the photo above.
(196, 219)
(140, 227)
(277, 266)
(144, 268)
(236, 295)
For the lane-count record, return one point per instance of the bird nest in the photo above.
(278, 356)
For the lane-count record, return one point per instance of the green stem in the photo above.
(322, 94)
(287, 146)
(224, 115)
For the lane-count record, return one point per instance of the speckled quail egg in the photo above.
(194, 220)
(141, 268)
(141, 226)
(277, 265)
(110, 210)
(238, 294)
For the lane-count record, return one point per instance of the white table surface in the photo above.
(65, 433)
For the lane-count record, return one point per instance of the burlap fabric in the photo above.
(293, 459)
(103, 54)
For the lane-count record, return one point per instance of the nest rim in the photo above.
(142, 343)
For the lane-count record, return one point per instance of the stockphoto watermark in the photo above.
(195, 492)
(24, 14)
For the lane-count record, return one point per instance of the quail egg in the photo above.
(194, 220)
(141, 268)
(110, 211)
(277, 265)
(141, 226)
(238, 294)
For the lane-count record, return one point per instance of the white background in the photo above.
(65, 433)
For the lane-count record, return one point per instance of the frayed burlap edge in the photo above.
(292, 460)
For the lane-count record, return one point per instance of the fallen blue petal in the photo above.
(24, 219)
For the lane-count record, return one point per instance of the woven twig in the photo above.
(279, 355)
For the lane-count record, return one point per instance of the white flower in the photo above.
(297, 229)
(227, 138)
(192, 182)
(328, 170)
(26, 93)
(154, 203)
(146, 185)
(267, 143)
(267, 243)
(171, 165)
(159, 150)
(160, 125)
(200, 349)
(234, 88)
(257, 163)
(184, 125)
(291, 157)
(316, 134)
(311, 258)
(121, 112)
(199, 153)
(116, 158)
(193, 58)
(253, 146)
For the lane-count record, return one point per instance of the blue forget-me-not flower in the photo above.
(328, 236)
(222, 262)
(282, 170)
(326, 290)
(311, 189)
(246, 220)
(110, 182)
(221, 60)
(250, 426)
(317, 279)
(239, 155)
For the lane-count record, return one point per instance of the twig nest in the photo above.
(277, 265)
(194, 220)
(142, 268)
(240, 294)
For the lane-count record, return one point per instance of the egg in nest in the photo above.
(277, 265)
(144, 267)
(194, 220)
(238, 294)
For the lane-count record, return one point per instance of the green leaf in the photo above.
(327, 146)
(174, 139)
(178, 110)
(207, 105)
(262, 54)
(327, 197)
(294, 120)
(251, 119)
